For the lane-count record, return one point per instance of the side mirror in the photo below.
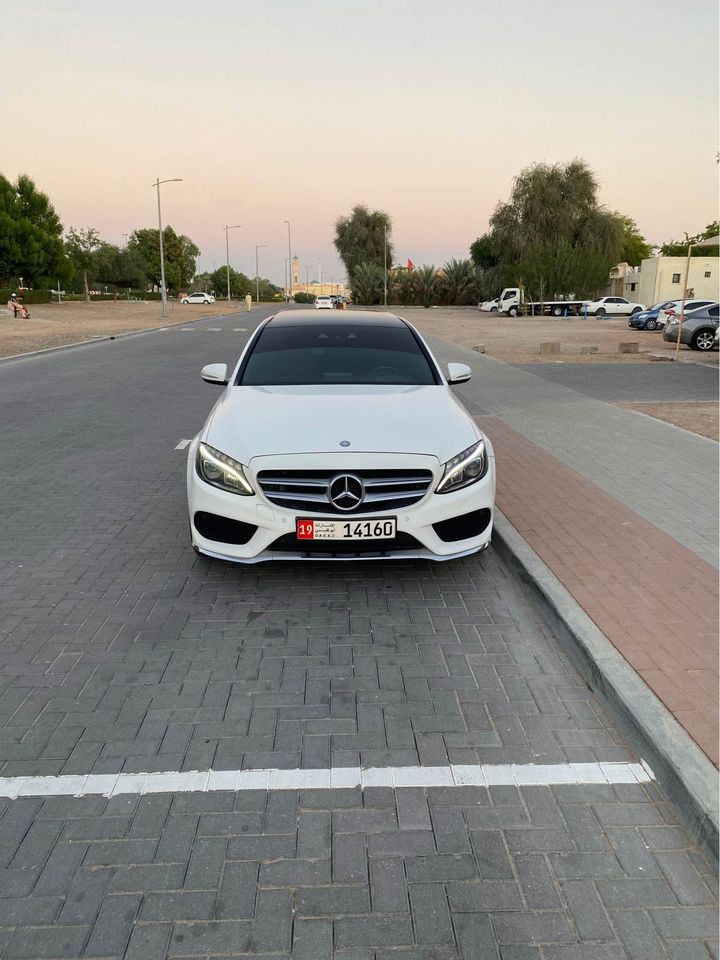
(215, 373)
(458, 373)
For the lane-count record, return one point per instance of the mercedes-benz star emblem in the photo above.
(344, 443)
(346, 491)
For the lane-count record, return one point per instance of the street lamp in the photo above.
(235, 226)
(258, 246)
(289, 262)
(163, 289)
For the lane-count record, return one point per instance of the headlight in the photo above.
(222, 471)
(464, 469)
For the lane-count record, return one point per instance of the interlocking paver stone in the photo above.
(121, 652)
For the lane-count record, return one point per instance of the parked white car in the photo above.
(339, 438)
(613, 306)
(670, 311)
(198, 298)
(490, 306)
(324, 303)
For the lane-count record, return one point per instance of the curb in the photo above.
(681, 768)
(110, 336)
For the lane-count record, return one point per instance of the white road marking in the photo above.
(335, 778)
(183, 444)
(239, 329)
(214, 329)
(187, 329)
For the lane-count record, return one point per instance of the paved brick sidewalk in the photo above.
(653, 598)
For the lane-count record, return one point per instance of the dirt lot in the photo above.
(518, 339)
(56, 324)
(702, 418)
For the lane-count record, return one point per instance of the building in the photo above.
(661, 278)
(317, 287)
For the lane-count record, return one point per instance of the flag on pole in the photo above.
(411, 265)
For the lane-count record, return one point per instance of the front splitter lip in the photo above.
(270, 555)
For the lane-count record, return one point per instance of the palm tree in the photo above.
(426, 284)
(458, 281)
(367, 283)
(402, 286)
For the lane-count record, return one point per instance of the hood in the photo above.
(252, 422)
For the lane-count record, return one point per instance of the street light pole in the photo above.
(258, 246)
(385, 265)
(163, 288)
(289, 263)
(235, 226)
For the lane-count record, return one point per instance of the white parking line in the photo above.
(183, 444)
(335, 778)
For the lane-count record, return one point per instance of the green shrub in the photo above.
(27, 296)
(303, 297)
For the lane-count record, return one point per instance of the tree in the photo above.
(553, 236)
(426, 283)
(367, 283)
(635, 246)
(80, 246)
(679, 248)
(30, 233)
(239, 283)
(457, 281)
(179, 251)
(360, 238)
(402, 286)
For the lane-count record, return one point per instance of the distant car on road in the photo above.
(699, 328)
(489, 306)
(198, 298)
(324, 303)
(676, 306)
(613, 306)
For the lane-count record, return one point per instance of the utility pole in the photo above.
(258, 246)
(289, 264)
(385, 264)
(163, 288)
(235, 226)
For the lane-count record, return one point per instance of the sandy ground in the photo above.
(56, 324)
(518, 339)
(702, 418)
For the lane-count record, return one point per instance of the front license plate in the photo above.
(371, 529)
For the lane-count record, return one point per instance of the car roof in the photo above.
(291, 318)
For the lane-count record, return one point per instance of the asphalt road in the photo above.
(632, 382)
(122, 652)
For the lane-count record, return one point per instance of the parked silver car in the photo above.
(699, 328)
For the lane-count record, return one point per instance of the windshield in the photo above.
(663, 305)
(337, 353)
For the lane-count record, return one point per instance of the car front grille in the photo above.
(309, 489)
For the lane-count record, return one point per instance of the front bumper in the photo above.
(275, 526)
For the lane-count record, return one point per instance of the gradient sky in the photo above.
(298, 110)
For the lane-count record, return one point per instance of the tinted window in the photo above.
(341, 353)
(713, 311)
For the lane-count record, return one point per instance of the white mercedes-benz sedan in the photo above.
(338, 437)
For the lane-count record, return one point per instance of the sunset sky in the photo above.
(298, 110)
